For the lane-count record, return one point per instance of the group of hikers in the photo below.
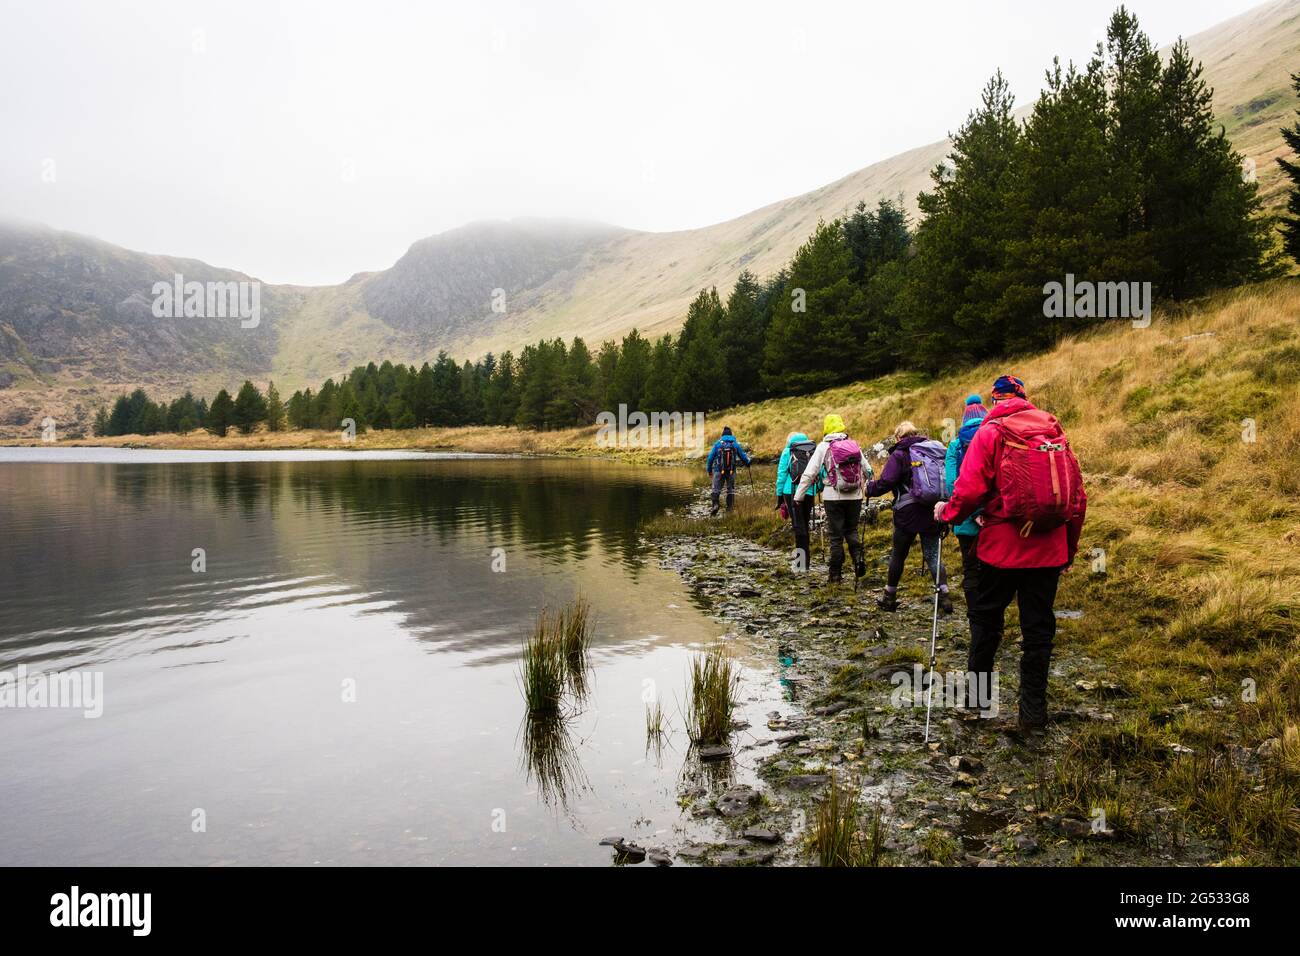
(1008, 486)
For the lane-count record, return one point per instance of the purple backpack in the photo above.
(927, 458)
(845, 467)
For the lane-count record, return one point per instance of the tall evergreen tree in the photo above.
(1207, 230)
(250, 408)
(956, 279)
(660, 392)
(275, 413)
(815, 336)
(742, 332)
(220, 414)
(702, 379)
(1291, 224)
(631, 371)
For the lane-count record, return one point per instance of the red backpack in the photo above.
(1040, 486)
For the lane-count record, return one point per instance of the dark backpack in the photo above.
(801, 453)
(727, 458)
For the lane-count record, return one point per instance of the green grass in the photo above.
(554, 658)
(836, 839)
(713, 682)
(1199, 529)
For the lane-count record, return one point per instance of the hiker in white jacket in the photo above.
(842, 499)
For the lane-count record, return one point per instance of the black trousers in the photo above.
(842, 526)
(1034, 591)
(902, 544)
(970, 568)
(801, 521)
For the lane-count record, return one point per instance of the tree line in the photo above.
(1118, 175)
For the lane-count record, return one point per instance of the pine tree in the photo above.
(1207, 230)
(582, 384)
(101, 426)
(249, 409)
(815, 337)
(275, 413)
(631, 372)
(606, 367)
(742, 332)
(1065, 214)
(1291, 224)
(220, 414)
(879, 240)
(702, 382)
(956, 279)
(660, 392)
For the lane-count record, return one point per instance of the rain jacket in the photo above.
(784, 486)
(952, 465)
(999, 542)
(896, 476)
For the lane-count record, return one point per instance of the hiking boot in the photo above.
(887, 602)
(945, 603)
(859, 568)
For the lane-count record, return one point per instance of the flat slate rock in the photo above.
(761, 835)
(807, 781)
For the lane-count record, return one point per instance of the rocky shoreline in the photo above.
(974, 795)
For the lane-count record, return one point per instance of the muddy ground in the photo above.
(974, 795)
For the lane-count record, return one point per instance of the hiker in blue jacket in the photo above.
(968, 530)
(725, 457)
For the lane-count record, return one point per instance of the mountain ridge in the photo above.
(72, 329)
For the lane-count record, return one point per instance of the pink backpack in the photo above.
(844, 466)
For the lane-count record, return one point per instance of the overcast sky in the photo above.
(303, 142)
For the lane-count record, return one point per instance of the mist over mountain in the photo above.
(77, 323)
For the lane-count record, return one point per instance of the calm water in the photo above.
(338, 576)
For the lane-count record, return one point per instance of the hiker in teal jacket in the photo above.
(799, 512)
(972, 417)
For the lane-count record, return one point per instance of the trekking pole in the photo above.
(934, 630)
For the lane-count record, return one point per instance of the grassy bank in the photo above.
(1189, 574)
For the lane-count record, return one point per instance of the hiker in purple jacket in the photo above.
(913, 512)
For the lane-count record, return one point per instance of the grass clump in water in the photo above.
(711, 699)
(554, 658)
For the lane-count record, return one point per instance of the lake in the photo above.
(334, 677)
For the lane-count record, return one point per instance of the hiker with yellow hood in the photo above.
(847, 472)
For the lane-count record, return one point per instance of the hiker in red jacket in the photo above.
(1020, 470)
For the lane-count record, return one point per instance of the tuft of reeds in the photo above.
(711, 697)
(543, 669)
(836, 838)
(656, 728)
(554, 658)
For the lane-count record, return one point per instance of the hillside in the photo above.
(73, 309)
(1189, 436)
